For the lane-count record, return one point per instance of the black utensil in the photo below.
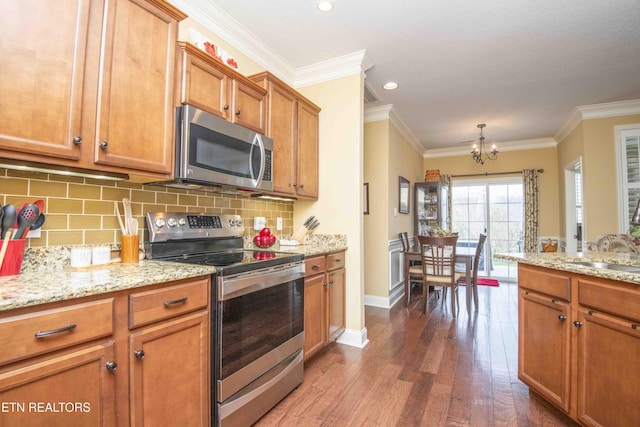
(39, 222)
(8, 219)
(26, 218)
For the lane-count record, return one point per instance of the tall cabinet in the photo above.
(431, 207)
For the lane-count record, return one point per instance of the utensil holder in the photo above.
(129, 248)
(13, 257)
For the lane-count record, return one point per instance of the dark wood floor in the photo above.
(422, 370)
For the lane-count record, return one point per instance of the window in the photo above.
(628, 150)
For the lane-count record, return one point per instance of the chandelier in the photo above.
(479, 151)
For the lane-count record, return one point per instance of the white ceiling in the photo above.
(520, 66)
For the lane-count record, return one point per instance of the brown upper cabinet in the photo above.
(292, 123)
(212, 86)
(89, 86)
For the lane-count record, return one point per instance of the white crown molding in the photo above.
(387, 112)
(597, 111)
(525, 144)
(610, 109)
(569, 126)
(342, 66)
(224, 25)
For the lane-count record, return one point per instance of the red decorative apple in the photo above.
(265, 239)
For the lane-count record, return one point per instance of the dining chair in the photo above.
(438, 256)
(413, 269)
(473, 283)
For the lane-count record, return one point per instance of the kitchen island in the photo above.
(579, 333)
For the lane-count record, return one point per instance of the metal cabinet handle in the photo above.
(324, 284)
(139, 354)
(237, 112)
(577, 324)
(331, 282)
(104, 145)
(562, 317)
(226, 107)
(634, 326)
(175, 302)
(315, 267)
(67, 328)
(77, 140)
(112, 366)
(294, 185)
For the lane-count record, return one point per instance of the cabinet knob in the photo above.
(77, 140)
(331, 282)
(104, 145)
(315, 267)
(577, 324)
(562, 317)
(295, 185)
(225, 108)
(301, 185)
(139, 354)
(237, 112)
(324, 284)
(112, 366)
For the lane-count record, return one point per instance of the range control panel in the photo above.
(165, 226)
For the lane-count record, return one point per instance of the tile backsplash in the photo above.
(80, 211)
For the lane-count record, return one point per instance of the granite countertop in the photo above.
(562, 261)
(46, 276)
(33, 288)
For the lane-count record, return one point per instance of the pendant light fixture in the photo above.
(479, 151)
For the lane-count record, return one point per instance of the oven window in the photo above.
(221, 153)
(256, 323)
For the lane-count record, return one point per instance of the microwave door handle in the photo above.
(258, 140)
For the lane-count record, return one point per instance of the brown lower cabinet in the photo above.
(579, 344)
(324, 301)
(137, 357)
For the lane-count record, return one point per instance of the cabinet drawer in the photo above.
(43, 331)
(158, 304)
(335, 261)
(315, 265)
(537, 279)
(611, 298)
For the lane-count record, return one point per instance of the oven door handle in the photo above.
(243, 284)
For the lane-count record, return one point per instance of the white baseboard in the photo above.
(385, 302)
(354, 338)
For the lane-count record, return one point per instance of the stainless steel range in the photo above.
(257, 312)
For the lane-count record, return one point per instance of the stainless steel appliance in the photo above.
(212, 152)
(257, 311)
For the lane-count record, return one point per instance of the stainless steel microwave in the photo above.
(212, 152)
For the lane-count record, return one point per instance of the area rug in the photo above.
(488, 282)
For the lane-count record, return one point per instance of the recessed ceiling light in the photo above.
(390, 85)
(325, 5)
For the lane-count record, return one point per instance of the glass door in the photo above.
(494, 208)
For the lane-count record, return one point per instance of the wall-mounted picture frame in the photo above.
(365, 198)
(403, 202)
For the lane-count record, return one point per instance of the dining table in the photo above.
(461, 258)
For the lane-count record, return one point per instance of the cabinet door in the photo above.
(543, 346)
(248, 107)
(134, 128)
(204, 86)
(169, 373)
(282, 129)
(73, 389)
(608, 370)
(336, 297)
(314, 315)
(307, 171)
(43, 51)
